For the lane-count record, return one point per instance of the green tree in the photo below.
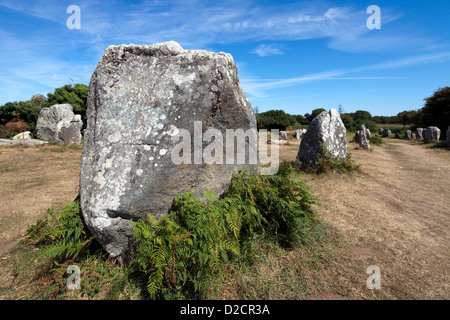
(436, 111)
(301, 119)
(275, 119)
(75, 95)
(24, 110)
(348, 121)
(407, 117)
(362, 115)
(315, 113)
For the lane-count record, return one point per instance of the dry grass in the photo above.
(32, 179)
(393, 214)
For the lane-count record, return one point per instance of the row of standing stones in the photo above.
(430, 134)
(140, 98)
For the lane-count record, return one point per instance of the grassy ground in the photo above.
(393, 214)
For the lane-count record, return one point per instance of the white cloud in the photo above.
(265, 50)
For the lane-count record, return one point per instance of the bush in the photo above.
(181, 253)
(275, 119)
(326, 162)
(376, 140)
(61, 234)
(76, 95)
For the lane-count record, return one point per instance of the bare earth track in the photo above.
(394, 214)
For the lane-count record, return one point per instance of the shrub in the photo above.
(376, 140)
(180, 255)
(183, 251)
(326, 162)
(61, 234)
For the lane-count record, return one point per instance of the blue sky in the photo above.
(291, 55)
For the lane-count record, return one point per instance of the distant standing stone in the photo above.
(432, 134)
(386, 133)
(59, 124)
(364, 137)
(326, 129)
(419, 133)
(408, 134)
(448, 136)
(23, 136)
(283, 135)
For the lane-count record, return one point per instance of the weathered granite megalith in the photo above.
(325, 133)
(419, 133)
(363, 137)
(432, 134)
(58, 123)
(145, 101)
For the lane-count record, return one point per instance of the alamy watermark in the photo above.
(229, 146)
(74, 281)
(374, 280)
(374, 21)
(74, 21)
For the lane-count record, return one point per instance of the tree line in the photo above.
(435, 112)
(19, 116)
(16, 117)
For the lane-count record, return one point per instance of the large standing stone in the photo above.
(328, 130)
(144, 100)
(59, 124)
(432, 134)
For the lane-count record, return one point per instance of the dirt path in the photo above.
(396, 215)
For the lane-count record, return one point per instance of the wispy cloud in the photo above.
(258, 87)
(265, 50)
(49, 56)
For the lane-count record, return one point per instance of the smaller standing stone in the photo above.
(386, 133)
(283, 135)
(326, 133)
(408, 134)
(419, 133)
(364, 137)
(448, 136)
(23, 136)
(59, 124)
